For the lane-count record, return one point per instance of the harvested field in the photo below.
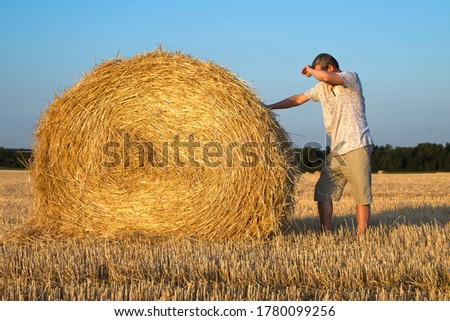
(404, 256)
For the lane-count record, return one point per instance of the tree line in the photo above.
(425, 157)
(14, 158)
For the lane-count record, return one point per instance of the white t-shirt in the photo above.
(344, 113)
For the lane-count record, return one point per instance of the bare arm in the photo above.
(331, 78)
(289, 102)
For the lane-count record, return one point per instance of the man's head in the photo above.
(324, 61)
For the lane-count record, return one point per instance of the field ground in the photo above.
(404, 256)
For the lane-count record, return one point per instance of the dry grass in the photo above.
(101, 169)
(404, 256)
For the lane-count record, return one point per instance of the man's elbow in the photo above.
(300, 99)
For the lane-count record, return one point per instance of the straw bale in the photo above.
(99, 169)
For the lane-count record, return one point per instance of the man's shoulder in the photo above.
(349, 73)
(351, 79)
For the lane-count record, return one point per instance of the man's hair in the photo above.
(323, 60)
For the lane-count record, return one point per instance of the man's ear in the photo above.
(330, 68)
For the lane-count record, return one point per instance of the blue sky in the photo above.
(400, 49)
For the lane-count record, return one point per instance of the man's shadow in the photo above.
(408, 216)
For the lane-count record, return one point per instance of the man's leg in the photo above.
(325, 213)
(362, 216)
(359, 175)
(329, 187)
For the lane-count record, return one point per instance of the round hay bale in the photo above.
(161, 144)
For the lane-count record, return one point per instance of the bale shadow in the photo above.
(408, 216)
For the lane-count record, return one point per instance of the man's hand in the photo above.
(306, 71)
(266, 106)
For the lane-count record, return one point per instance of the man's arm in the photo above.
(289, 102)
(331, 78)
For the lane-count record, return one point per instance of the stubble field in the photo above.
(404, 256)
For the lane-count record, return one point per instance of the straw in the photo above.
(98, 166)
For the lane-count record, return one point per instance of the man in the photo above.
(343, 108)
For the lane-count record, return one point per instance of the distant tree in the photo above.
(446, 158)
(14, 158)
(309, 159)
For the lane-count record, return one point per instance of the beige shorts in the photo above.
(352, 167)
